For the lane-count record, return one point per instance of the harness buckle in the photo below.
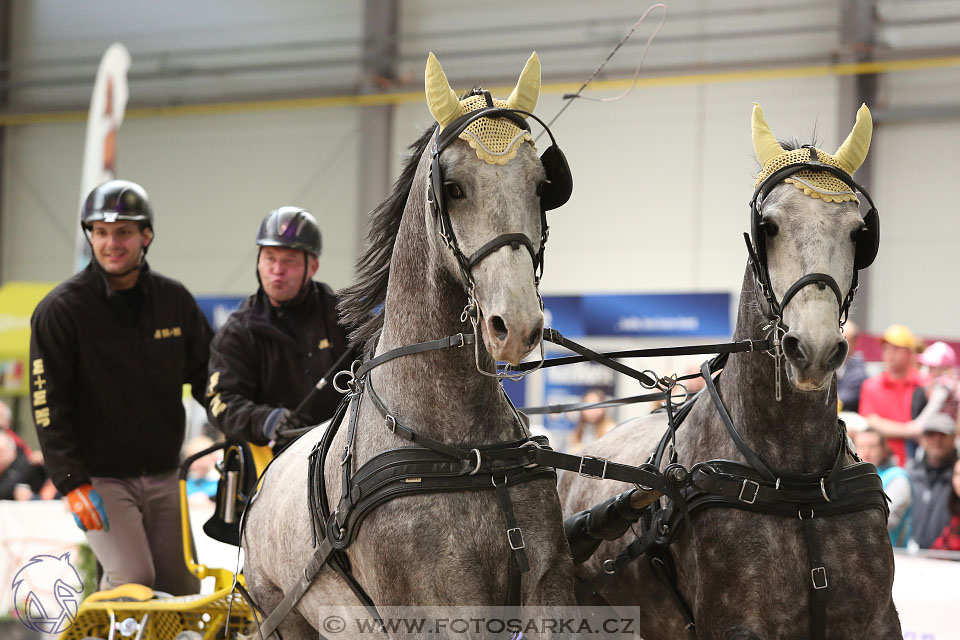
(476, 467)
(515, 538)
(749, 495)
(533, 445)
(585, 474)
(461, 340)
(345, 456)
(390, 422)
(818, 575)
(823, 490)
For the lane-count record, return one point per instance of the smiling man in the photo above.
(110, 350)
(267, 357)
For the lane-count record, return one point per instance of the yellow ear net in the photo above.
(765, 145)
(853, 151)
(527, 91)
(441, 99)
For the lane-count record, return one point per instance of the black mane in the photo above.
(360, 302)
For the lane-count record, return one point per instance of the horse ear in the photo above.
(441, 99)
(527, 91)
(853, 151)
(66, 556)
(765, 145)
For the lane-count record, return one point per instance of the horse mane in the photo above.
(360, 304)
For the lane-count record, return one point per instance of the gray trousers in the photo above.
(145, 542)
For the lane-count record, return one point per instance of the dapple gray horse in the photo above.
(747, 575)
(440, 548)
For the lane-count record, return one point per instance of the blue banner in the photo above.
(640, 315)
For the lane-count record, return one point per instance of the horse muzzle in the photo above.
(811, 362)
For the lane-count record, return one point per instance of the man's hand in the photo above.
(88, 509)
(280, 421)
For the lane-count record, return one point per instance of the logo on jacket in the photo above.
(172, 332)
(46, 593)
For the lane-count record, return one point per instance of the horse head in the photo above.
(487, 192)
(808, 242)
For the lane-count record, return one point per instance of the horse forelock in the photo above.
(360, 303)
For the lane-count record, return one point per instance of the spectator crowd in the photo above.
(907, 427)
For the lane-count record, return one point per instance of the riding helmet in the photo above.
(116, 200)
(291, 227)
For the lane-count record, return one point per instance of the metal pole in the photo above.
(857, 37)
(380, 20)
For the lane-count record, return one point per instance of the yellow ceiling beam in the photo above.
(359, 100)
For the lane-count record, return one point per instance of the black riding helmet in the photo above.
(116, 200)
(290, 227)
(293, 228)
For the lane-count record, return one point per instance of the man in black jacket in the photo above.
(110, 350)
(271, 352)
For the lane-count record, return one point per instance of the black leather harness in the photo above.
(751, 487)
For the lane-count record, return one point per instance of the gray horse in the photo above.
(441, 548)
(743, 574)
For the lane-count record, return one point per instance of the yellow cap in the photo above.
(900, 336)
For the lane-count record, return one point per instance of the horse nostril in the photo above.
(839, 355)
(499, 327)
(794, 351)
(535, 336)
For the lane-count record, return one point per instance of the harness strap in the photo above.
(409, 434)
(293, 595)
(742, 447)
(456, 340)
(661, 562)
(821, 279)
(519, 563)
(818, 579)
(552, 335)
(512, 239)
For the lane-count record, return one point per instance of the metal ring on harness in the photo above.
(652, 376)
(476, 468)
(493, 480)
(348, 388)
(612, 570)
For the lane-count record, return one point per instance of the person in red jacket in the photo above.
(886, 399)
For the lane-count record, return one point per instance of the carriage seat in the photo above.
(124, 593)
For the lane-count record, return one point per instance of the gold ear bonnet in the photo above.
(816, 184)
(496, 140)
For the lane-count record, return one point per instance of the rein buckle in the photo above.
(585, 474)
(749, 498)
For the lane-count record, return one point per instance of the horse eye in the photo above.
(540, 187)
(770, 228)
(453, 190)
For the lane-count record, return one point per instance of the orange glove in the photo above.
(88, 509)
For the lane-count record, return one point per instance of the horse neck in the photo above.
(798, 434)
(439, 394)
